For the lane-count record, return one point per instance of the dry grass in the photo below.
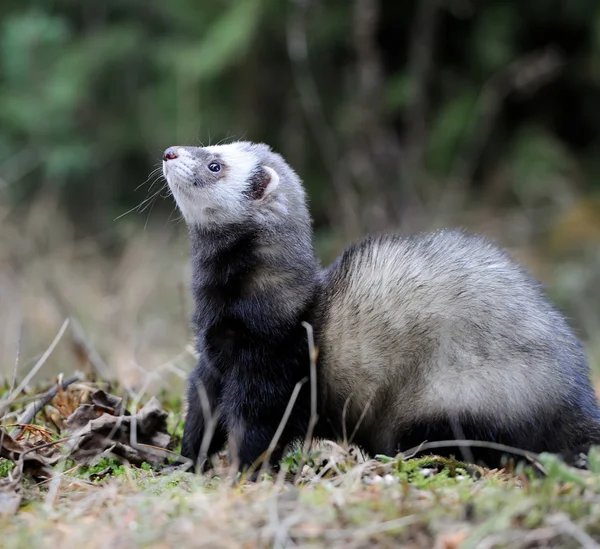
(353, 504)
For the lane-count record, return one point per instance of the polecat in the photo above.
(433, 337)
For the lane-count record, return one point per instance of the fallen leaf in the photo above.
(34, 460)
(104, 428)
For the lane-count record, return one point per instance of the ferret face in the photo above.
(223, 184)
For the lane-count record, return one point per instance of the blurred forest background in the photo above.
(400, 115)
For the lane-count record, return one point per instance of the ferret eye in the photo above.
(214, 167)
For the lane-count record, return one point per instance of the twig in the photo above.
(79, 337)
(40, 362)
(475, 443)
(17, 357)
(23, 400)
(38, 447)
(45, 398)
(281, 426)
(313, 353)
(210, 424)
(459, 434)
(82, 342)
(313, 386)
(166, 453)
(14, 377)
(344, 415)
(361, 418)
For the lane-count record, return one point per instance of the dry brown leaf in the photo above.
(34, 460)
(104, 428)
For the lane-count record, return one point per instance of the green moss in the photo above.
(105, 467)
(6, 466)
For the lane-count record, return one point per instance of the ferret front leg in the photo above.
(203, 432)
(249, 444)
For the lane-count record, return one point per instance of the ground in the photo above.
(330, 496)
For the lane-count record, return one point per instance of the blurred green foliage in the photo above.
(92, 92)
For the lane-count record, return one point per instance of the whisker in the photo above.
(151, 206)
(176, 220)
(231, 136)
(148, 202)
(156, 179)
(153, 173)
(143, 205)
(148, 216)
(127, 212)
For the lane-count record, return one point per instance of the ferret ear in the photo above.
(263, 183)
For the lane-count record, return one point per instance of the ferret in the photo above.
(433, 337)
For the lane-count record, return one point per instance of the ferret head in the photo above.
(235, 183)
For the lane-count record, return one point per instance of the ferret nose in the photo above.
(170, 154)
